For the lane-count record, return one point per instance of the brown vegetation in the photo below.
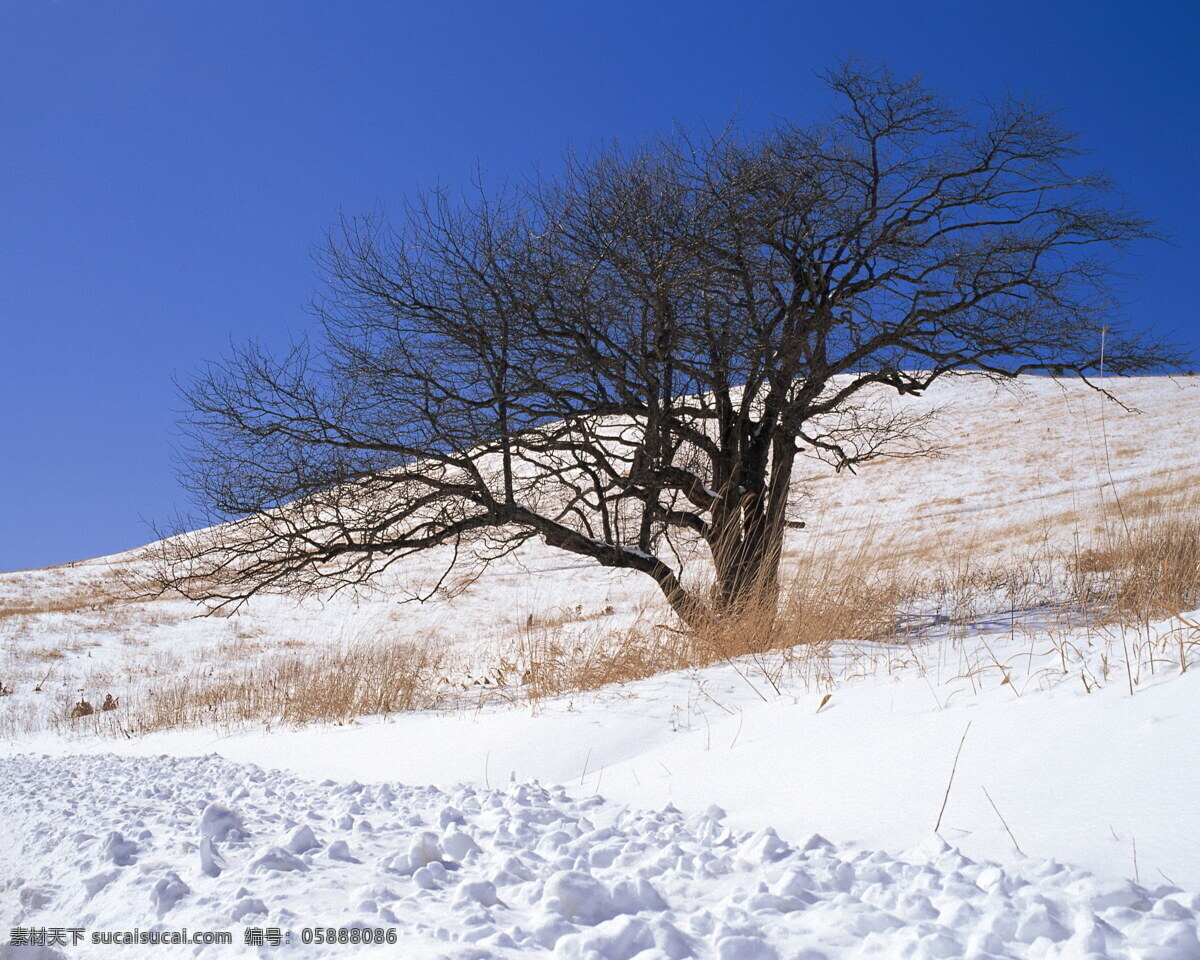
(328, 686)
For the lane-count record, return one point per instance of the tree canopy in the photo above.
(625, 359)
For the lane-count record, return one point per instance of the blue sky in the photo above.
(166, 167)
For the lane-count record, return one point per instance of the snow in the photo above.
(709, 839)
(748, 810)
(529, 870)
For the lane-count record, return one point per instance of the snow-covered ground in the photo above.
(204, 844)
(1096, 788)
(1060, 757)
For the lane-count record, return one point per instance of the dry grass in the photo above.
(82, 598)
(326, 686)
(548, 664)
(1147, 565)
(828, 598)
(44, 654)
(93, 605)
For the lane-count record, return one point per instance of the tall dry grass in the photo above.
(825, 598)
(1146, 566)
(333, 686)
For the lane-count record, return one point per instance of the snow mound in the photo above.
(520, 872)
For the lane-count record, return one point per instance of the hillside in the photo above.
(979, 640)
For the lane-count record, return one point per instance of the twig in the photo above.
(946, 798)
(1002, 820)
(741, 718)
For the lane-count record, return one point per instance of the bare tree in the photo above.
(624, 360)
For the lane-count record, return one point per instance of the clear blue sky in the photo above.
(166, 167)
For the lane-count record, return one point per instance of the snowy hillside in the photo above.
(778, 805)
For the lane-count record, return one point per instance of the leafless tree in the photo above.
(625, 359)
